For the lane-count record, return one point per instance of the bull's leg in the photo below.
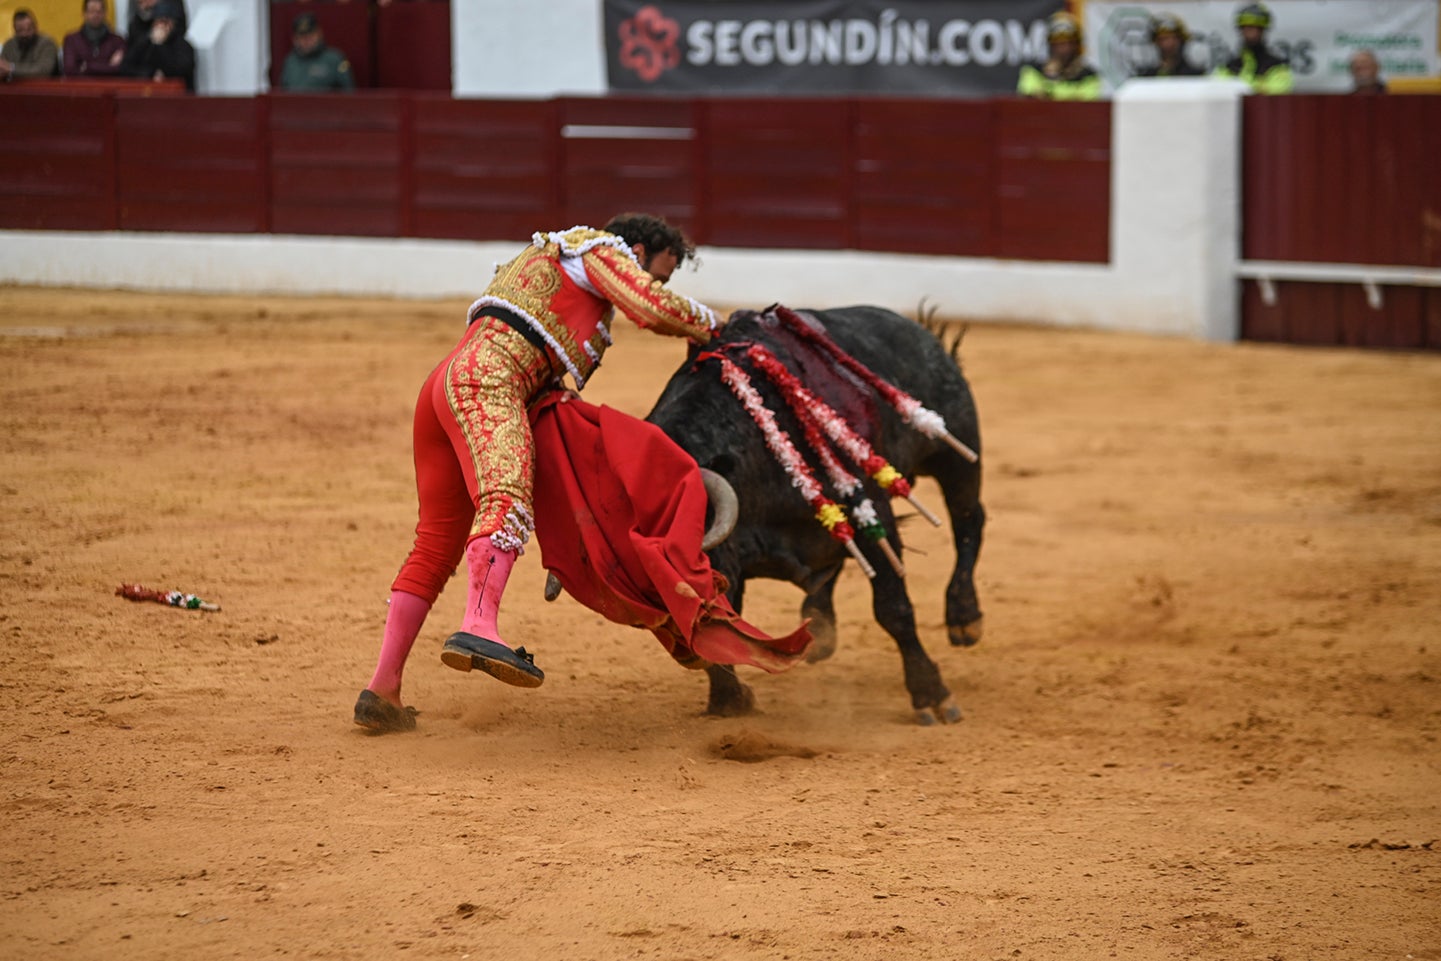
(820, 608)
(729, 695)
(960, 483)
(893, 611)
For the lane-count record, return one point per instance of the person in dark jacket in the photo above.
(142, 17)
(163, 52)
(94, 50)
(311, 66)
(1169, 36)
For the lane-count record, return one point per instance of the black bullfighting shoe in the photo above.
(377, 714)
(466, 652)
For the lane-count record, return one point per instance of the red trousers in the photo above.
(474, 455)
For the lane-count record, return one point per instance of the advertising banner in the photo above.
(1317, 36)
(841, 47)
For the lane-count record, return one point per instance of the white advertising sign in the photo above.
(1318, 37)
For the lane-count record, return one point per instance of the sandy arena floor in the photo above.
(1203, 722)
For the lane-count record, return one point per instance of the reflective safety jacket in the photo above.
(1264, 71)
(1081, 82)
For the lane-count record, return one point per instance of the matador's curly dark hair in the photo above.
(653, 233)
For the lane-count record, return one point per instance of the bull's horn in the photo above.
(725, 505)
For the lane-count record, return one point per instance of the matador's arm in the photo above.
(645, 300)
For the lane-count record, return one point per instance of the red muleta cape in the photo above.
(619, 516)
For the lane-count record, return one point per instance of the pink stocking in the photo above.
(402, 624)
(489, 570)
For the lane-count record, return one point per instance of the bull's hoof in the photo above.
(823, 636)
(729, 695)
(947, 712)
(736, 703)
(967, 634)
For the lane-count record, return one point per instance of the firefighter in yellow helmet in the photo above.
(1265, 70)
(1065, 76)
(1169, 35)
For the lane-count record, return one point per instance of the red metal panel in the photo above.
(923, 176)
(1328, 314)
(1400, 323)
(1260, 321)
(1310, 221)
(125, 86)
(1312, 313)
(60, 174)
(340, 171)
(777, 173)
(1053, 180)
(628, 153)
(412, 48)
(1429, 152)
(1341, 179)
(193, 164)
(1409, 208)
(1431, 318)
(484, 170)
(1260, 207)
(346, 26)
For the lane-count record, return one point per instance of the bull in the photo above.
(776, 535)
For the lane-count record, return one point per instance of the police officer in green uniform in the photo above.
(1065, 76)
(1256, 64)
(311, 66)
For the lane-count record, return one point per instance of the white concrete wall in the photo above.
(1174, 229)
(554, 48)
(1175, 204)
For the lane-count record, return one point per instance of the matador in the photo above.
(546, 314)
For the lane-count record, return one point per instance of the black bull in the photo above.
(776, 535)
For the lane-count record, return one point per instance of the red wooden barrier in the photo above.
(194, 165)
(923, 176)
(1007, 178)
(343, 172)
(57, 162)
(778, 172)
(1348, 180)
(412, 45)
(128, 86)
(1053, 180)
(619, 154)
(483, 169)
(1342, 179)
(1338, 314)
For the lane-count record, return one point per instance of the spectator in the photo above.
(1169, 36)
(29, 53)
(1065, 75)
(311, 66)
(94, 50)
(162, 52)
(142, 16)
(1366, 73)
(1256, 64)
